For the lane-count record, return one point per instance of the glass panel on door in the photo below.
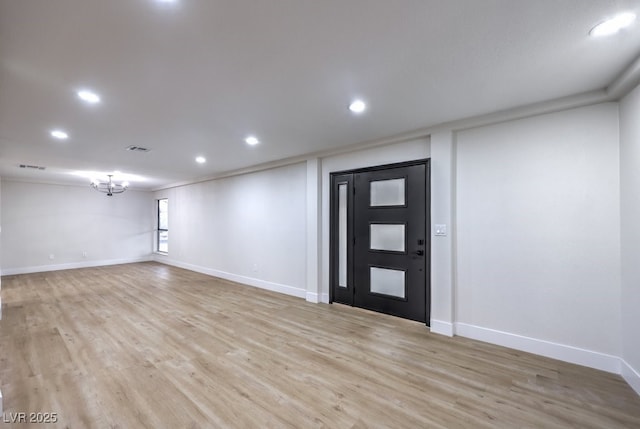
(342, 235)
(386, 281)
(388, 237)
(386, 193)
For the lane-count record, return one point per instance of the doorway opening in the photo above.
(379, 243)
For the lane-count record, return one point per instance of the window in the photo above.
(163, 225)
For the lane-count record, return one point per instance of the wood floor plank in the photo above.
(148, 345)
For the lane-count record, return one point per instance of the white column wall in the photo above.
(314, 189)
(0, 269)
(630, 231)
(0, 259)
(442, 212)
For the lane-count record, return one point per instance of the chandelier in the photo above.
(109, 187)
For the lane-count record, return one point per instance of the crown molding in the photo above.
(625, 82)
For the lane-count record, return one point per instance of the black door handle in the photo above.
(419, 252)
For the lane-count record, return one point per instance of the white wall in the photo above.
(0, 261)
(630, 228)
(538, 238)
(387, 154)
(1, 404)
(442, 247)
(249, 228)
(40, 220)
(0, 244)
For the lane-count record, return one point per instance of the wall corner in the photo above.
(442, 246)
(313, 250)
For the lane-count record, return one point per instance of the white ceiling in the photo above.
(196, 77)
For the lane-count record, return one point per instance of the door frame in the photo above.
(333, 226)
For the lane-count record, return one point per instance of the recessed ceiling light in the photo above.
(89, 96)
(613, 25)
(59, 134)
(167, 3)
(357, 106)
(201, 159)
(251, 140)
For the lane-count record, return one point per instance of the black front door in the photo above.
(380, 247)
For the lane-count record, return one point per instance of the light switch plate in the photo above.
(440, 229)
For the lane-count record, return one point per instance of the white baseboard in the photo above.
(631, 376)
(262, 284)
(312, 297)
(72, 266)
(562, 352)
(317, 297)
(442, 328)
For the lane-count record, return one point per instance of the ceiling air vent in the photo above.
(137, 149)
(32, 167)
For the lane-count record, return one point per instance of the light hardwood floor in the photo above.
(148, 345)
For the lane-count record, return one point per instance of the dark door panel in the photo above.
(389, 252)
